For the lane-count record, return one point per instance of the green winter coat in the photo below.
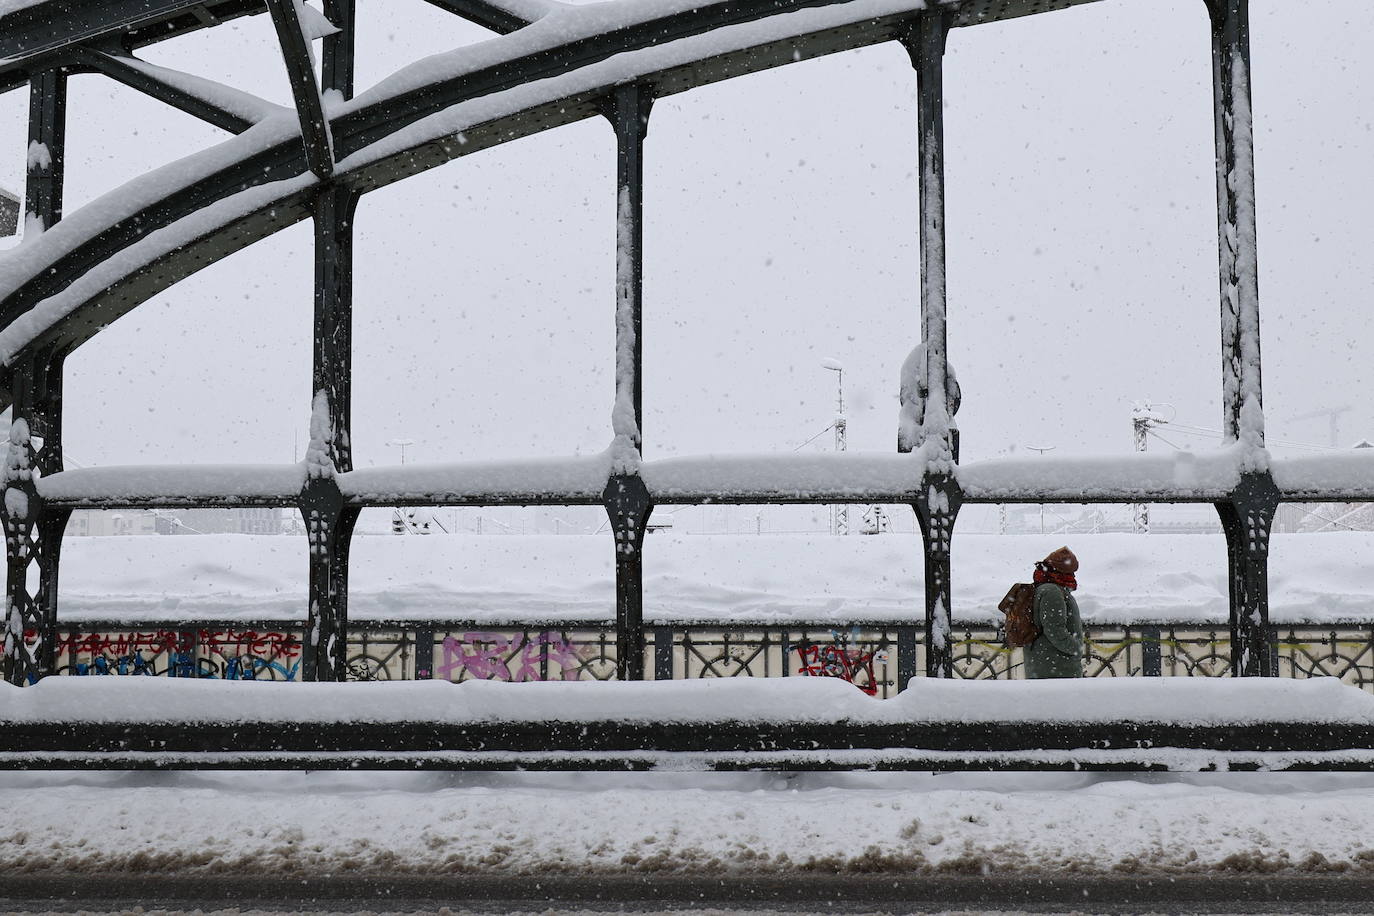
(1059, 650)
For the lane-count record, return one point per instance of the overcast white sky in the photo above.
(781, 229)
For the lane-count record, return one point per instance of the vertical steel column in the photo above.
(1247, 519)
(336, 72)
(627, 504)
(329, 523)
(938, 501)
(926, 45)
(626, 497)
(937, 507)
(47, 148)
(1249, 514)
(33, 532)
(1243, 416)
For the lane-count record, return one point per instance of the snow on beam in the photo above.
(502, 16)
(838, 477)
(1329, 476)
(765, 478)
(223, 106)
(175, 485)
(578, 479)
(1177, 476)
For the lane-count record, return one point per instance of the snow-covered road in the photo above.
(523, 825)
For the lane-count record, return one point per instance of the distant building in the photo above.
(107, 523)
(224, 521)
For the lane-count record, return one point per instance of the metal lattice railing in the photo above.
(877, 658)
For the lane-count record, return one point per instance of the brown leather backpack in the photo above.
(1019, 606)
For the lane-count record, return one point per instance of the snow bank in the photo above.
(1125, 578)
(1186, 701)
(711, 824)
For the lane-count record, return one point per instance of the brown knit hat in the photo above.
(1061, 561)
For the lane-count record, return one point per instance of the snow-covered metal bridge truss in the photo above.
(553, 65)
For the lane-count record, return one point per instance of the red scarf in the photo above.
(1043, 575)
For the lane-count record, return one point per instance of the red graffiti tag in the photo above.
(850, 665)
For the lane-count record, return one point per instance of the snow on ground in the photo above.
(1124, 578)
(521, 824)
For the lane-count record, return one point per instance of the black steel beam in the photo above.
(628, 111)
(925, 44)
(336, 70)
(937, 506)
(850, 497)
(37, 37)
(284, 161)
(1242, 406)
(46, 148)
(628, 506)
(1246, 520)
(295, 51)
(329, 521)
(713, 735)
(487, 15)
(124, 70)
(33, 531)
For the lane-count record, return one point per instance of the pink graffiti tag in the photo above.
(490, 656)
(850, 665)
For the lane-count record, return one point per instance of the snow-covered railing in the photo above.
(878, 657)
(1171, 724)
(558, 64)
(849, 477)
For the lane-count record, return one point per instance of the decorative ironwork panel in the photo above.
(381, 655)
(868, 656)
(1343, 652)
(1195, 652)
(979, 653)
(863, 656)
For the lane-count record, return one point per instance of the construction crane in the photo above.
(1333, 415)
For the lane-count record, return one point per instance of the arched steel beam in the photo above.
(273, 171)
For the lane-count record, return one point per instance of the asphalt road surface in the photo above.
(653, 893)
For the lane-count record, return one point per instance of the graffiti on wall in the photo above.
(840, 661)
(528, 656)
(236, 655)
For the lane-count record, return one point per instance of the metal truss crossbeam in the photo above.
(36, 37)
(153, 81)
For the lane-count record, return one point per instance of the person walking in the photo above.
(1058, 652)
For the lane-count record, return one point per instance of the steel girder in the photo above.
(309, 173)
(356, 129)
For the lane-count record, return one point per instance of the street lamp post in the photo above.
(839, 515)
(1040, 450)
(398, 520)
(403, 443)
